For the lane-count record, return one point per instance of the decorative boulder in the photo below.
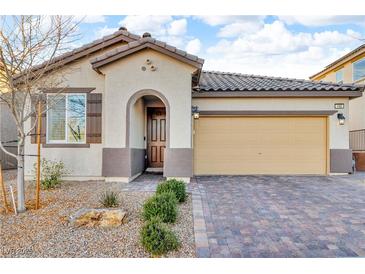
(98, 218)
(112, 218)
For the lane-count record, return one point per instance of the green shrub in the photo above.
(176, 186)
(109, 199)
(163, 205)
(157, 238)
(51, 173)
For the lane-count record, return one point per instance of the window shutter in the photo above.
(93, 121)
(43, 117)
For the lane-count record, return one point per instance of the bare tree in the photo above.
(30, 47)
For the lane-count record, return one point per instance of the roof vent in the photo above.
(123, 28)
(146, 34)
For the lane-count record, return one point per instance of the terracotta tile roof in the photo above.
(146, 42)
(121, 35)
(214, 81)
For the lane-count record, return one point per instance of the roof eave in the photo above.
(100, 62)
(273, 94)
(81, 52)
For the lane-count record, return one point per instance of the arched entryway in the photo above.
(148, 127)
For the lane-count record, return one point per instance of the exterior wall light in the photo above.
(195, 112)
(341, 119)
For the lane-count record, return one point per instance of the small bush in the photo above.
(157, 238)
(51, 173)
(163, 205)
(176, 186)
(109, 199)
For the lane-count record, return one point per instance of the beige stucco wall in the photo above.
(357, 113)
(119, 82)
(330, 78)
(138, 122)
(347, 75)
(338, 138)
(125, 77)
(81, 162)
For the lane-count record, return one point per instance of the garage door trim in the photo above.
(325, 115)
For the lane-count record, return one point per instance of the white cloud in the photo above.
(232, 26)
(324, 20)
(275, 39)
(239, 28)
(177, 27)
(160, 27)
(156, 25)
(333, 37)
(90, 19)
(193, 46)
(217, 20)
(294, 65)
(176, 41)
(275, 50)
(165, 28)
(104, 31)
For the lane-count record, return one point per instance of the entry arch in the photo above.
(133, 99)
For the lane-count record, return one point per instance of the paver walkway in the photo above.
(274, 216)
(148, 182)
(144, 182)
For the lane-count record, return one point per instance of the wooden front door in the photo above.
(156, 136)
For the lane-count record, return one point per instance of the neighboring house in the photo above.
(133, 103)
(8, 135)
(350, 68)
(8, 132)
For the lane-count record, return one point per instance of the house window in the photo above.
(339, 76)
(66, 118)
(359, 69)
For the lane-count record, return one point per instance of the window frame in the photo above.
(341, 70)
(353, 70)
(66, 142)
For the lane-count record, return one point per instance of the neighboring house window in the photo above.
(66, 118)
(339, 76)
(359, 69)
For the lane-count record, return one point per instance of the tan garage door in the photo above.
(260, 145)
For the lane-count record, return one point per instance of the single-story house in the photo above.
(133, 103)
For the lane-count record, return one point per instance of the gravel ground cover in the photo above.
(47, 233)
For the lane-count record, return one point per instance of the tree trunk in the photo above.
(20, 177)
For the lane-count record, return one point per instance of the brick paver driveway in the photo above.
(268, 216)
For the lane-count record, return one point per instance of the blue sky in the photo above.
(286, 46)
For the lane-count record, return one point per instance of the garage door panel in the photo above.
(260, 145)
